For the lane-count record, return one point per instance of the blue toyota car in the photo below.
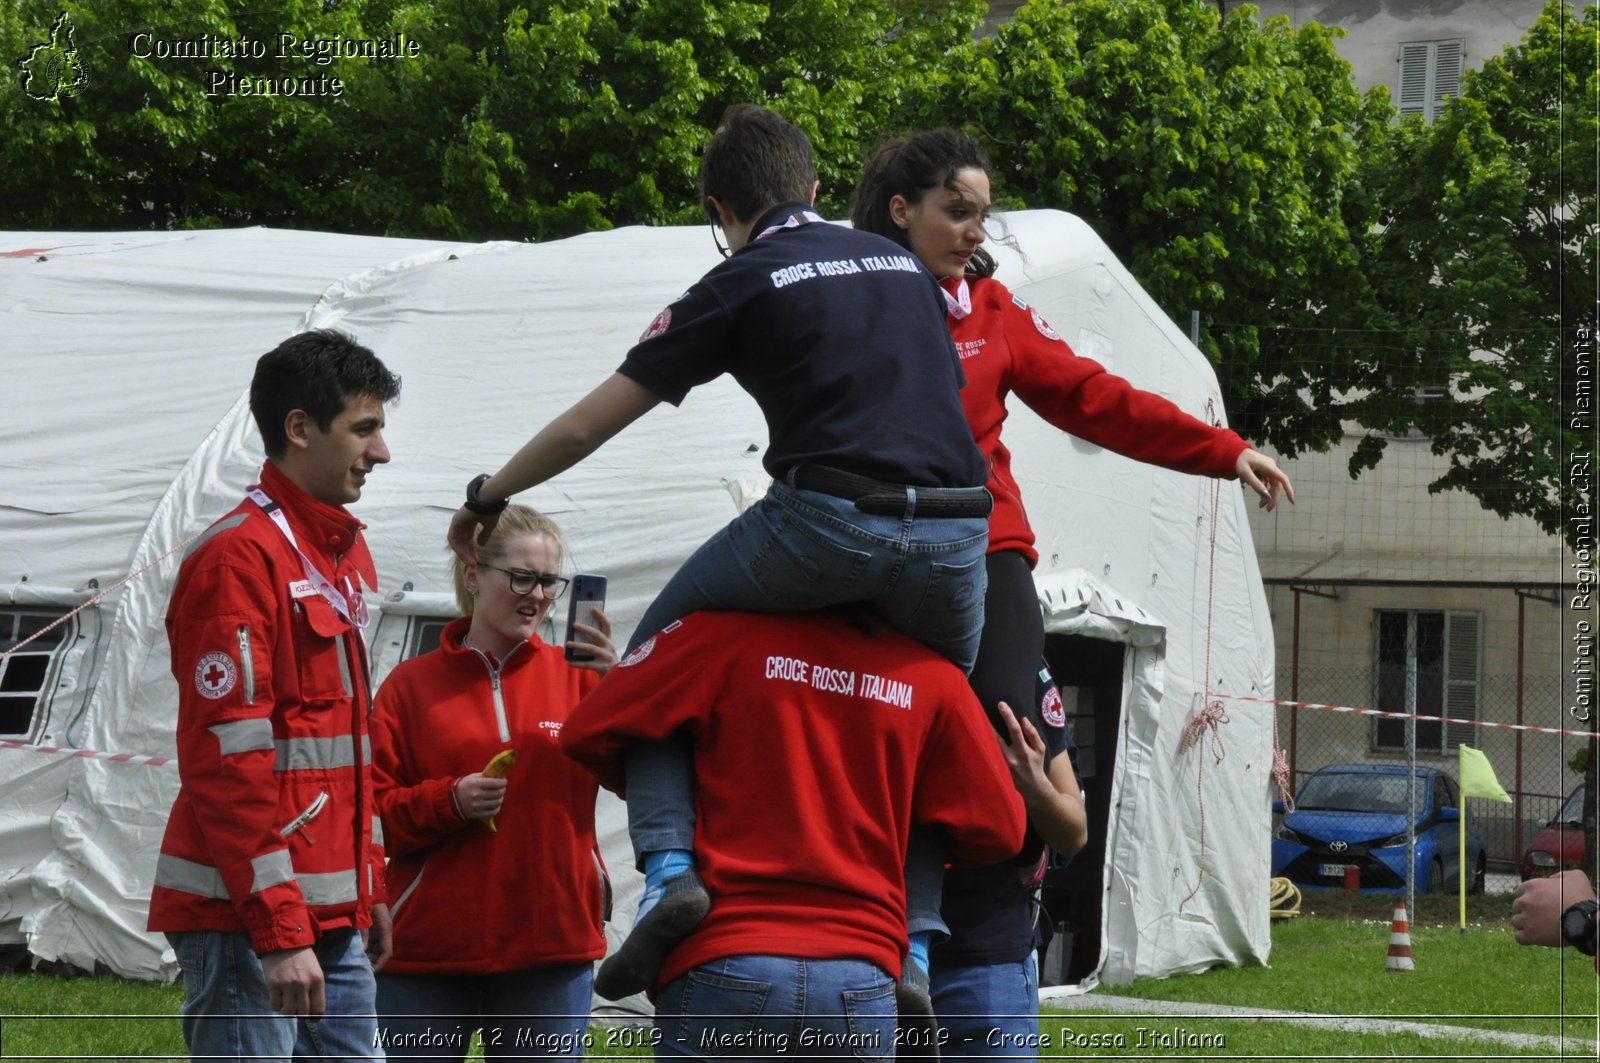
(1354, 815)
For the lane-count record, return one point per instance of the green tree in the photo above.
(516, 119)
(1485, 261)
(564, 116)
(154, 142)
(1217, 158)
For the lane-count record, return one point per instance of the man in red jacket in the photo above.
(270, 875)
(819, 740)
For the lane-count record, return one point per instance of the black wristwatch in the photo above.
(478, 505)
(1578, 926)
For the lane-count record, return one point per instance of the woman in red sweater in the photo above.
(929, 192)
(497, 888)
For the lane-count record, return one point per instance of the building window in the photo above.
(26, 676)
(1439, 652)
(1430, 73)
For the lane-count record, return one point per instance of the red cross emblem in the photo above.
(662, 322)
(215, 675)
(1051, 709)
(639, 653)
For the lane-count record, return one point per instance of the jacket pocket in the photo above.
(298, 824)
(320, 652)
(247, 665)
(405, 894)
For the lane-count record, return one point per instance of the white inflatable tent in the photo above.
(127, 358)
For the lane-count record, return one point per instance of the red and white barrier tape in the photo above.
(95, 754)
(1407, 715)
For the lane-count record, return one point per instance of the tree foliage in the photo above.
(517, 119)
(1217, 158)
(1338, 257)
(1485, 263)
(144, 146)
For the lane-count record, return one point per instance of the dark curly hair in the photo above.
(318, 372)
(912, 166)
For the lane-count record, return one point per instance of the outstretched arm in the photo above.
(561, 444)
(1264, 477)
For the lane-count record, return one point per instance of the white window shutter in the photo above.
(1414, 77)
(1446, 74)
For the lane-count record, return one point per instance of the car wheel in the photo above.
(1436, 882)
(1480, 875)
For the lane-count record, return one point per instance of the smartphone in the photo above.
(588, 594)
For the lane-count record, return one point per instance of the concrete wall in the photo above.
(1375, 29)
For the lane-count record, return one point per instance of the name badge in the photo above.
(302, 588)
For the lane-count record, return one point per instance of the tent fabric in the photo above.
(129, 432)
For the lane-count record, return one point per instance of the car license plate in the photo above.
(1332, 870)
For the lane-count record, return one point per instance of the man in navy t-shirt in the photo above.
(878, 492)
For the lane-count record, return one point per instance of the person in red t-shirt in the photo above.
(496, 885)
(819, 740)
(929, 192)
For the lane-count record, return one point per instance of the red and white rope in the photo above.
(99, 596)
(94, 754)
(1524, 727)
(1210, 713)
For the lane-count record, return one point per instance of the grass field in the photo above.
(1328, 961)
(1331, 961)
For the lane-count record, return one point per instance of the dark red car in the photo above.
(1560, 845)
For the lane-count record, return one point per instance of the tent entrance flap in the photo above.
(1088, 672)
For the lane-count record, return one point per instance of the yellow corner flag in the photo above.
(1477, 780)
(1477, 777)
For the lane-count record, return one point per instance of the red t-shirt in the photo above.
(817, 745)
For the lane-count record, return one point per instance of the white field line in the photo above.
(1133, 1007)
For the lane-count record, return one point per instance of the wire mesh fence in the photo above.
(1353, 787)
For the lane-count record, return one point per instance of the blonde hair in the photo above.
(516, 520)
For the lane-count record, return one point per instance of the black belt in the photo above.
(886, 499)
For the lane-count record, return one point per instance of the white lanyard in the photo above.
(794, 222)
(959, 304)
(350, 605)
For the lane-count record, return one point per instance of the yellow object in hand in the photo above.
(499, 767)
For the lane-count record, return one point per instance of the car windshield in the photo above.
(1572, 812)
(1351, 792)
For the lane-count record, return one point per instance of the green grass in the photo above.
(1329, 960)
(43, 1016)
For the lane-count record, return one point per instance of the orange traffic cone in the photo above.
(1400, 942)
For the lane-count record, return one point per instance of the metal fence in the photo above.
(1349, 770)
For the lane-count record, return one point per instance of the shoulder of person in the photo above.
(417, 670)
(242, 539)
(993, 291)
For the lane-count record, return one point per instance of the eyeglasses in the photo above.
(523, 583)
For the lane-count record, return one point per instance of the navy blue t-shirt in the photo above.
(988, 910)
(840, 336)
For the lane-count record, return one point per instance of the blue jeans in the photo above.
(760, 1007)
(989, 1012)
(227, 1016)
(540, 1012)
(796, 551)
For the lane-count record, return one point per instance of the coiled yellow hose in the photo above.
(1284, 900)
